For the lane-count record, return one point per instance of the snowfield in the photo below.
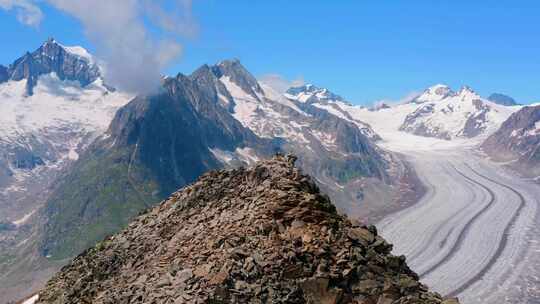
(55, 124)
(56, 104)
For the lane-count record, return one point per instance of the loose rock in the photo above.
(258, 235)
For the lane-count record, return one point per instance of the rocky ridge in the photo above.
(259, 235)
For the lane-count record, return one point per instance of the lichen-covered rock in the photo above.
(258, 235)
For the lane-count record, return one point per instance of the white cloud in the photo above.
(133, 57)
(279, 83)
(125, 37)
(27, 12)
(177, 19)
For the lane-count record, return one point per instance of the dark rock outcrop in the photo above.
(259, 235)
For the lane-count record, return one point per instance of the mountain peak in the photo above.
(229, 67)
(239, 75)
(203, 71)
(259, 235)
(50, 40)
(76, 50)
(434, 93)
(311, 93)
(468, 92)
(466, 89)
(230, 62)
(50, 47)
(502, 99)
(68, 63)
(439, 88)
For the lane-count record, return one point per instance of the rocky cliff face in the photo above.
(518, 141)
(261, 235)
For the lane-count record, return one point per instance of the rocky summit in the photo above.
(259, 235)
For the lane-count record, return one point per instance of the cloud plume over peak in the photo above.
(124, 34)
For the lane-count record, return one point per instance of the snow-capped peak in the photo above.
(80, 52)
(239, 75)
(76, 50)
(444, 114)
(468, 92)
(311, 93)
(434, 93)
(68, 63)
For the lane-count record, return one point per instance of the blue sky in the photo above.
(362, 50)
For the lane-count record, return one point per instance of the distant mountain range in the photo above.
(80, 159)
(438, 112)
